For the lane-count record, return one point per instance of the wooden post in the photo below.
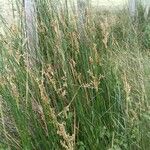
(147, 11)
(31, 31)
(81, 8)
(133, 8)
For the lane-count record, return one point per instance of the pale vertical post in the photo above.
(147, 11)
(132, 8)
(81, 8)
(31, 31)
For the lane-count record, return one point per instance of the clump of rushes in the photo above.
(89, 89)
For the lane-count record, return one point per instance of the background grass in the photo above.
(89, 89)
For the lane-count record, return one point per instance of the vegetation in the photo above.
(89, 87)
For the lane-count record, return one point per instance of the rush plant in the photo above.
(88, 89)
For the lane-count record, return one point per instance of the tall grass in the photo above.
(89, 89)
